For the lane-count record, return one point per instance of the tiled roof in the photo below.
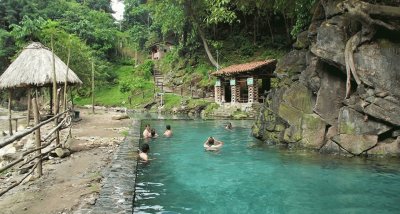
(234, 69)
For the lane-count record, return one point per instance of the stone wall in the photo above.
(309, 109)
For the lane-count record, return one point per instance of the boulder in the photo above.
(274, 99)
(292, 134)
(330, 95)
(389, 147)
(331, 41)
(299, 98)
(291, 63)
(302, 41)
(62, 153)
(313, 131)
(378, 65)
(310, 76)
(332, 131)
(291, 115)
(385, 110)
(353, 122)
(120, 117)
(396, 133)
(330, 7)
(356, 144)
(330, 147)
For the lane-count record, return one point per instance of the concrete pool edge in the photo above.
(117, 192)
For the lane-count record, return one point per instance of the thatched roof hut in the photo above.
(34, 67)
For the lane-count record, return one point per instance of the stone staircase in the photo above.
(159, 82)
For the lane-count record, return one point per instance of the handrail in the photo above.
(24, 155)
(28, 131)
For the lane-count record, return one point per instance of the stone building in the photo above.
(158, 50)
(243, 83)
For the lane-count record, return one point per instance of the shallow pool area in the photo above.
(247, 176)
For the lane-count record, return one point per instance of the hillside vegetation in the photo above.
(205, 35)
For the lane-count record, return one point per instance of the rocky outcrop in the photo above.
(314, 108)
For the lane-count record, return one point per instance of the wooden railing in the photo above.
(47, 139)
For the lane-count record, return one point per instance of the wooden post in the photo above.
(136, 57)
(37, 136)
(9, 113)
(51, 100)
(55, 97)
(155, 85)
(72, 98)
(55, 94)
(66, 76)
(57, 106)
(92, 87)
(28, 118)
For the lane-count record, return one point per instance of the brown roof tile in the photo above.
(233, 69)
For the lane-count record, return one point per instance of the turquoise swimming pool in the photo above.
(247, 176)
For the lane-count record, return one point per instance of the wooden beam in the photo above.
(26, 132)
(37, 136)
(29, 107)
(92, 87)
(9, 113)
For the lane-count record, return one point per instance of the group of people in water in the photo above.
(151, 133)
(211, 144)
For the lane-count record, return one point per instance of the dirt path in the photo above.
(72, 182)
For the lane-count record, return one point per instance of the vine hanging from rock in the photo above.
(371, 17)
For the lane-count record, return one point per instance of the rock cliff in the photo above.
(338, 91)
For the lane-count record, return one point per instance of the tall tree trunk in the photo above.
(254, 29)
(270, 29)
(206, 48)
(288, 36)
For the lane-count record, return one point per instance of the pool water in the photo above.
(247, 176)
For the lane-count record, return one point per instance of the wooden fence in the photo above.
(62, 121)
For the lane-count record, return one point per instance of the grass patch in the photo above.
(125, 133)
(112, 96)
(172, 100)
(197, 102)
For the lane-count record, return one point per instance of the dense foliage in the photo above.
(205, 33)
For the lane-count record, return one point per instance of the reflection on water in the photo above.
(247, 176)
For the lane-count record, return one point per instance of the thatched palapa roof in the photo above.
(34, 67)
(247, 68)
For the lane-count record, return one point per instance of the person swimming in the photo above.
(212, 144)
(153, 133)
(143, 152)
(229, 126)
(168, 131)
(147, 131)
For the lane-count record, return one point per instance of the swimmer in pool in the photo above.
(168, 131)
(147, 131)
(144, 149)
(212, 144)
(228, 126)
(153, 133)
